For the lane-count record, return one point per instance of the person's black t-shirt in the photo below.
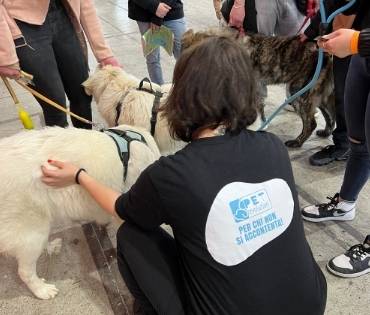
(233, 207)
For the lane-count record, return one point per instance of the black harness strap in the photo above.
(123, 147)
(119, 108)
(118, 112)
(156, 104)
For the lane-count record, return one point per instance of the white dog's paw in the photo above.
(46, 291)
(54, 246)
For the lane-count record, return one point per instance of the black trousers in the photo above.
(148, 262)
(357, 108)
(57, 62)
(340, 69)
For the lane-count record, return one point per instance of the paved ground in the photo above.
(86, 272)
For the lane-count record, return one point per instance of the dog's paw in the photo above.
(46, 291)
(54, 246)
(293, 144)
(323, 133)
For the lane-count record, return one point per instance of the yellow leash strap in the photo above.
(52, 103)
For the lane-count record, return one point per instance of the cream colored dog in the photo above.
(111, 86)
(28, 207)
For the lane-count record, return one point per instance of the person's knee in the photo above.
(153, 58)
(352, 140)
(358, 148)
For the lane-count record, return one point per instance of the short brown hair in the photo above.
(213, 84)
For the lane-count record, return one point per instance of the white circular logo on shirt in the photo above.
(244, 217)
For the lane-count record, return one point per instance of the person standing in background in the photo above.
(46, 38)
(151, 14)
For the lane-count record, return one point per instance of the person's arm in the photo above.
(157, 8)
(8, 56)
(345, 42)
(364, 43)
(64, 175)
(237, 14)
(93, 30)
(313, 29)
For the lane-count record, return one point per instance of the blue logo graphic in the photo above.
(249, 206)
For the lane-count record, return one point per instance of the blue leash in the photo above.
(320, 60)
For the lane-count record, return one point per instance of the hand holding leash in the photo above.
(341, 43)
(11, 72)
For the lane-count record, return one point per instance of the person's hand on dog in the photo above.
(338, 43)
(162, 10)
(60, 174)
(237, 15)
(110, 61)
(10, 72)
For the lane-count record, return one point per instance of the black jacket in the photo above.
(364, 43)
(302, 6)
(144, 10)
(361, 8)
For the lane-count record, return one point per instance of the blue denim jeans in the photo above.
(357, 113)
(153, 60)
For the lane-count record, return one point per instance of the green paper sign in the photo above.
(154, 39)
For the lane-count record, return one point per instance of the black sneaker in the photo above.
(329, 154)
(353, 263)
(333, 210)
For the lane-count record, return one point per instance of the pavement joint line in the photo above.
(95, 240)
(38, 114)
(345, 226)
(117, 5)
(121, 35)
(110, 24)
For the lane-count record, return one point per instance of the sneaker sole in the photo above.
(328, 219)
(328, 162)
(347, 275)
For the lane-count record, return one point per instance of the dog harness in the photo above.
(156, 103)
(123, 139)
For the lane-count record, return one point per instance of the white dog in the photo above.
(28, 207)
(113, 88)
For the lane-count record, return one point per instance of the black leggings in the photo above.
(57, 62)
(148, 262)
(357, 112)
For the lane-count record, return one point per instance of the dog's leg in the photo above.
(328, 111)
(306, 111)
(329, 124)
(27, 256)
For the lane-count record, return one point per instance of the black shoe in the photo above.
(353, 263)
(329, 154)
(334, 210)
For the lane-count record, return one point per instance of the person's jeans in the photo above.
(148, 262)
(278, 17)
(58, 65)
(340, 69)
(153, 60)
(357, 112)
